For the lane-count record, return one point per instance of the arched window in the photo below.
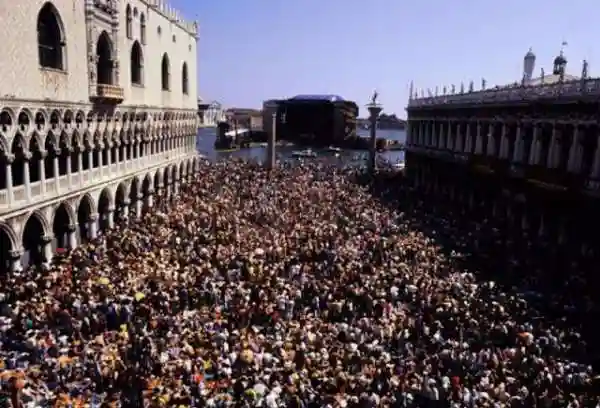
(105, 63)
(166, 73)
(50, 38)
(143, 28)
(129, 22)
(136, 64)
(184, 79)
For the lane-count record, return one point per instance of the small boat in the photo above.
(334, 149)
(304, 153)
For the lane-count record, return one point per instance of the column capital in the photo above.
(16, 254)
(43, 154)
(27, 155)
(46, 239)
(110, 209)
(72, 227)
(139, 196)
(9, 158)
(94, 217)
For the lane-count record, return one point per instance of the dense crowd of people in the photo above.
(289, 288)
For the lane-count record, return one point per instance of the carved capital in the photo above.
(9, 158)
(126, 202)
(140, 196)
(46, 239)
(93, 217)
(110, 209)
(16, 254)
(72, 227)
(27, 155)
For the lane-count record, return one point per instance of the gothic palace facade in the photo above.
(526, 155)
(97, 121)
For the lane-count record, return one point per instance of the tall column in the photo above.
(468, 139)
(108, 157)
(93, 226)
(139, 203)
(72, 235)
(518, 152)
(110, 217)
(26, 177)
(15, 260)
(80, 165)
(441, 143)
(450, 135)
(176, 187)
(90, 154)
(125, 209)
(504, 141)
(42, 171)
(57, 153)
(9, 159)
(574, 166)
(491, 147)
(535, 145)
(47, 248)
(150, 199)
(69, 172)
(430, 132)
(271, 156)
(596, 166)
(374, 111)
(479, 140)
(550, 161)
(458, 146)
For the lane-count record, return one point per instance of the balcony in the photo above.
(109, 94)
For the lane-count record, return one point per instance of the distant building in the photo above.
(269, 108)
(210, 113)
(245, 117)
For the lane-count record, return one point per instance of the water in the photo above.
(206, 140)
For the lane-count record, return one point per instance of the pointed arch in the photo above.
(104, 52)
(137, 63)
(184, 79)
(51, 38)
(128, 22)
(166, 73)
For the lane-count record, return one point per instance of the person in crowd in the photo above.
(296, 287)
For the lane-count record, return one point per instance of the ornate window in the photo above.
(129, 22)
(143, 28)
(51, 37)
(166, 73)
(184, 79)
(104, 58)
(137, 77)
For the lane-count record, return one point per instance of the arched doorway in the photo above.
(120, 201)
(60, 226)
(133, 196)
(84, 211)
(104, 62)
(146, 187)
(6, 246)
(104, 206)
(33, 243)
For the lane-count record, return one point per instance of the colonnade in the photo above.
(68, 223)
(568, 146)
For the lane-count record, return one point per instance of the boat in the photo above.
(237, 132)
(307, 153)
(334, 149)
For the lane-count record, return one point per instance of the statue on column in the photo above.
(471, 86)
(584, 70)
(453, 89)
(483, 84)
(445, 90)
(374, 97)
(462, 87)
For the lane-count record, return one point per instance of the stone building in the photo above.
(526, 156)
(210, 114)
(98, 118)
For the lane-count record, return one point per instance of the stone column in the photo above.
(72, 236)
(458, 146)
(450, 135)
(596, 166)
(150, 199)
(125, 210)
(374, 111)
(15, 260)
(80, 165)
(551, 160)
(139, 204)
(176, 188)
(26, 177)
(93, 226)
(69, 151)
(110, 217)
(42, 171)
(10, 158)
(574, 166)
(491, 148)
(271, 156)
(47, 248)
(504, 141)
(518, 152)
(55, 166)
(479, 140)
(535, 145)
(90, 153)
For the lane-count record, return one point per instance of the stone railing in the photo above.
(57, 186)
(570, 89)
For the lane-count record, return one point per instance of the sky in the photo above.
(253, 50)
